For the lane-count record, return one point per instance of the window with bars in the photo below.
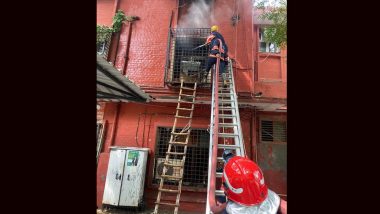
(103, 42)
(196, 164)
(184, 60)
(273, 131)
(99, 138)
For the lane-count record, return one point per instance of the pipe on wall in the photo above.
(126, 56)
(115, 123)
(116, 7)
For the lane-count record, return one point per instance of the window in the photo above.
(196, 164)
(184, 60)
(101, 47)
(266, 47)
(103, 41)
(99, 138)
(273, 131)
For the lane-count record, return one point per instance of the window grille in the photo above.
(196, 164)
(273, 131)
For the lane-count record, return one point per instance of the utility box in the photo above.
(125, 176)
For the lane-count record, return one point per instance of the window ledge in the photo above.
(270, 80)
(265, 54)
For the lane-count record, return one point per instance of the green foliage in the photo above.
(275, 11)
(103, 33)
(118, 21)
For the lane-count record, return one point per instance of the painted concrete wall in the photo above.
(145, 66)
(146, 59)
(104, 12)
(137, 127)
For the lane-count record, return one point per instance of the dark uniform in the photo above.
(215, 40)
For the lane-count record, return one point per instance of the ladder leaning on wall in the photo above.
(225, 130)
(177, 148)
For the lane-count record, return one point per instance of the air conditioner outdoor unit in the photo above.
(175, 171)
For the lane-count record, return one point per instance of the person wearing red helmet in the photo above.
(245, 188)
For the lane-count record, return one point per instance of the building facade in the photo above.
(142, 52)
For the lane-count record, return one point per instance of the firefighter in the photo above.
(245, 188)
(215, 40)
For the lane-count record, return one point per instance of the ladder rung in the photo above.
(230, 94)
(220, 109)
(185, 109)
(182, 101)
(171, 177)
(226, 108)
(179, 133)
(187, 95)
(229, 125)
(224, 146)
(184, 117)
(219, 174)
(220, 158)
(226, 116)
(175, 153)
(174, 165)
(187, 88)
(227, 135)
(178, 143)
(219, 193)
(225, 101)
(168, 190)
(168, 204)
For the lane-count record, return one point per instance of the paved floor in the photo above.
(146, 211)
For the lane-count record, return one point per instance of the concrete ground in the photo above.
(146, 211)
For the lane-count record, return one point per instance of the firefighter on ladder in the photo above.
(245, 188)
(215, 40)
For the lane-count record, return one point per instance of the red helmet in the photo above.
(243, 182)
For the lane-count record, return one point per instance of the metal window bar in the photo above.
(273, 131)
(184, 62)
(103, 41)
(100, 127)
(196, 165)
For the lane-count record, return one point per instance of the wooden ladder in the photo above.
(183, 107)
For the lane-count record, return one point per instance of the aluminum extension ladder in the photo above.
(184, 111)
(225, 123)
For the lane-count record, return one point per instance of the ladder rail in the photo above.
(222, 102)
(211, 140)
(214, 146)
(173, 137)
(237, 118)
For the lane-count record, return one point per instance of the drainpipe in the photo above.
(115, 123)
(117, 47)
(251, 127)
(254, 133)
(254, 49)
(126, 56)
(116, 6)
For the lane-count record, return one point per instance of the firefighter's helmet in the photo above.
(243, 182)
(214, 28)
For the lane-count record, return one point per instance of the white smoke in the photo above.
(202, 15)
(197, 16)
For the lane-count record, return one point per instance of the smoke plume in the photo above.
(200, 14)
(197, 16)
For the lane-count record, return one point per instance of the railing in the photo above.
(103, 41)
(183, 60)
